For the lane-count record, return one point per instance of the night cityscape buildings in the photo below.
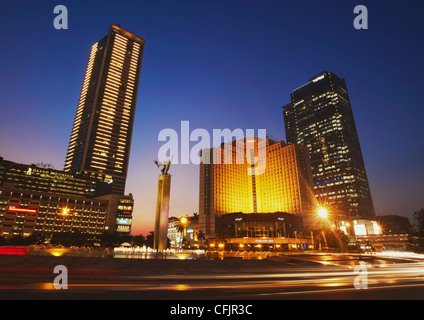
(101, 135)
(321, 165)
(320, 117)
(88, 196)
(300, 217)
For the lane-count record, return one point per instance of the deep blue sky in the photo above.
(220, 64)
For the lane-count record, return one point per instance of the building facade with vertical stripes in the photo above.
(101, 135)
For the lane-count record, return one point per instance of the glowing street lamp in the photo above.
(183, 225)
(322, 213)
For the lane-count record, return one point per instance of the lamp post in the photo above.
(183, 224)
(323, 214)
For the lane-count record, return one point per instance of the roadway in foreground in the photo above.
(293, 277)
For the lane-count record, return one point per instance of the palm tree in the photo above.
(201, 237)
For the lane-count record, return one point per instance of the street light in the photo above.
(183, 224)
(322, 213)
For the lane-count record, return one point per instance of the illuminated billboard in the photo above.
(123, 221)
(124, 215)
(360, 229)
(364, 227)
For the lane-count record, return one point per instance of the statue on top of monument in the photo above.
(166, 164)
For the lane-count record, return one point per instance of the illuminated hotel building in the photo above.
(101, 135)
(320, 117)
(282, 182)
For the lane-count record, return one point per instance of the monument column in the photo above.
(162, 208)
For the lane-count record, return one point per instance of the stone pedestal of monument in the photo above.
(162, 213)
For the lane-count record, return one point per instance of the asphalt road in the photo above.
(303, 277)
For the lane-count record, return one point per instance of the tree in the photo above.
(150, 238)
(68, 239)
(338, 239)
(201, 237)
(139, 240)
(419, 219)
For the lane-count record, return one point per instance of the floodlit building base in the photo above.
(263, 244)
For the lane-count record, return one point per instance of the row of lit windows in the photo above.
(83, 95)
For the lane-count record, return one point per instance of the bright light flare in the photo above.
(322, 213)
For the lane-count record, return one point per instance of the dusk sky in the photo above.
(220, 64)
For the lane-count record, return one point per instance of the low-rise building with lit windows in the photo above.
(275, 231)
(44, 202)
(25, 213)
(34, 178)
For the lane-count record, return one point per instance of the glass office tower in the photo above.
(320, 117)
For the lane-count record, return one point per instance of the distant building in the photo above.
(174, 232)
(320, 117)
(394, 224)
(120, 209)
(366, 227)
(183, 232)
(383, 233)
(282, 181)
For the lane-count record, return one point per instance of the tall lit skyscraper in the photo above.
(320, 117)
(101, 135)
